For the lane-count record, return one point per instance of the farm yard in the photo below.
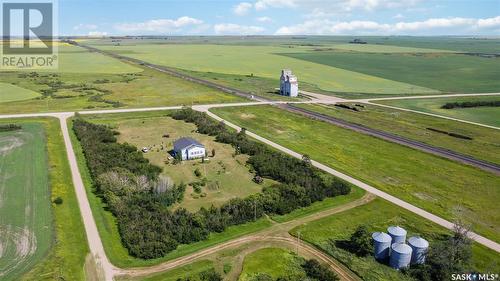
(418, 127)
(328, 232)
(26, 228)
(211, 182)
(387, 166)
(485, 115)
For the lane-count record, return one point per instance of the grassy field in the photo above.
(484, 115)
(464, 73)
(85, 91)
(65, 258)
(227, 174)
(319, 206)
(430, 182)
(377, 216)
(26, 220)
(262, 61)
(190, 270)
(108, 229)
(414, 126)
(9, 92)
(275, 262)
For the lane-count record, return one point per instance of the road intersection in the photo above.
(95, 242)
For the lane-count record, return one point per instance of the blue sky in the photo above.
(325, 17)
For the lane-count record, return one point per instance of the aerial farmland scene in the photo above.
(250, 140)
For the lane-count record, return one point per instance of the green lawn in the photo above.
(444, 72)
(108, 228)
(275, 262)
(484, 115)
(432, 183)
(9, 92)
(227, 174)
(377, 216)
(261, 61)
(414, 126)
(61, 254)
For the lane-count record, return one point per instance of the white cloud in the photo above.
(333, 6)
(264, 4)
(438, 25)
(264, 19)
(83, 26)
(236, 29)
(159, 25)
(97, 33)
(242, 8)
(398, 16)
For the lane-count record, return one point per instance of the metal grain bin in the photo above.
(400, 255)
(419, 247)
(381, 245)
(397, 233)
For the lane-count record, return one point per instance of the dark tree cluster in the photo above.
(136, 195)
(468, 104)
(9, 127)
(450, 255)
(207, 275)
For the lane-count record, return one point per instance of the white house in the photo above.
(189, 148)
(289, 86)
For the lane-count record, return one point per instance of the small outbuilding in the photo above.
(188, 148)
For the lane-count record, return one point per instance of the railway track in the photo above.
(442, 152)
(438, 151)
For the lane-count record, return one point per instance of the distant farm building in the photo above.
(188, 148)
(289, 85)
(357, 41)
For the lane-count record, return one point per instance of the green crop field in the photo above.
(432, 183)
(77, 60)
(377, 216)
(484, 115)
(444, 72)
(9, 92)
(26, 228)
(227, 174)
(414, 126)
(262, 61)
(67, 242)
(371, 48)
(275, 262)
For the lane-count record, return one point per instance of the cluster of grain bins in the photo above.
(393, 246)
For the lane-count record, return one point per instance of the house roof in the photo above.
(183, 143)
